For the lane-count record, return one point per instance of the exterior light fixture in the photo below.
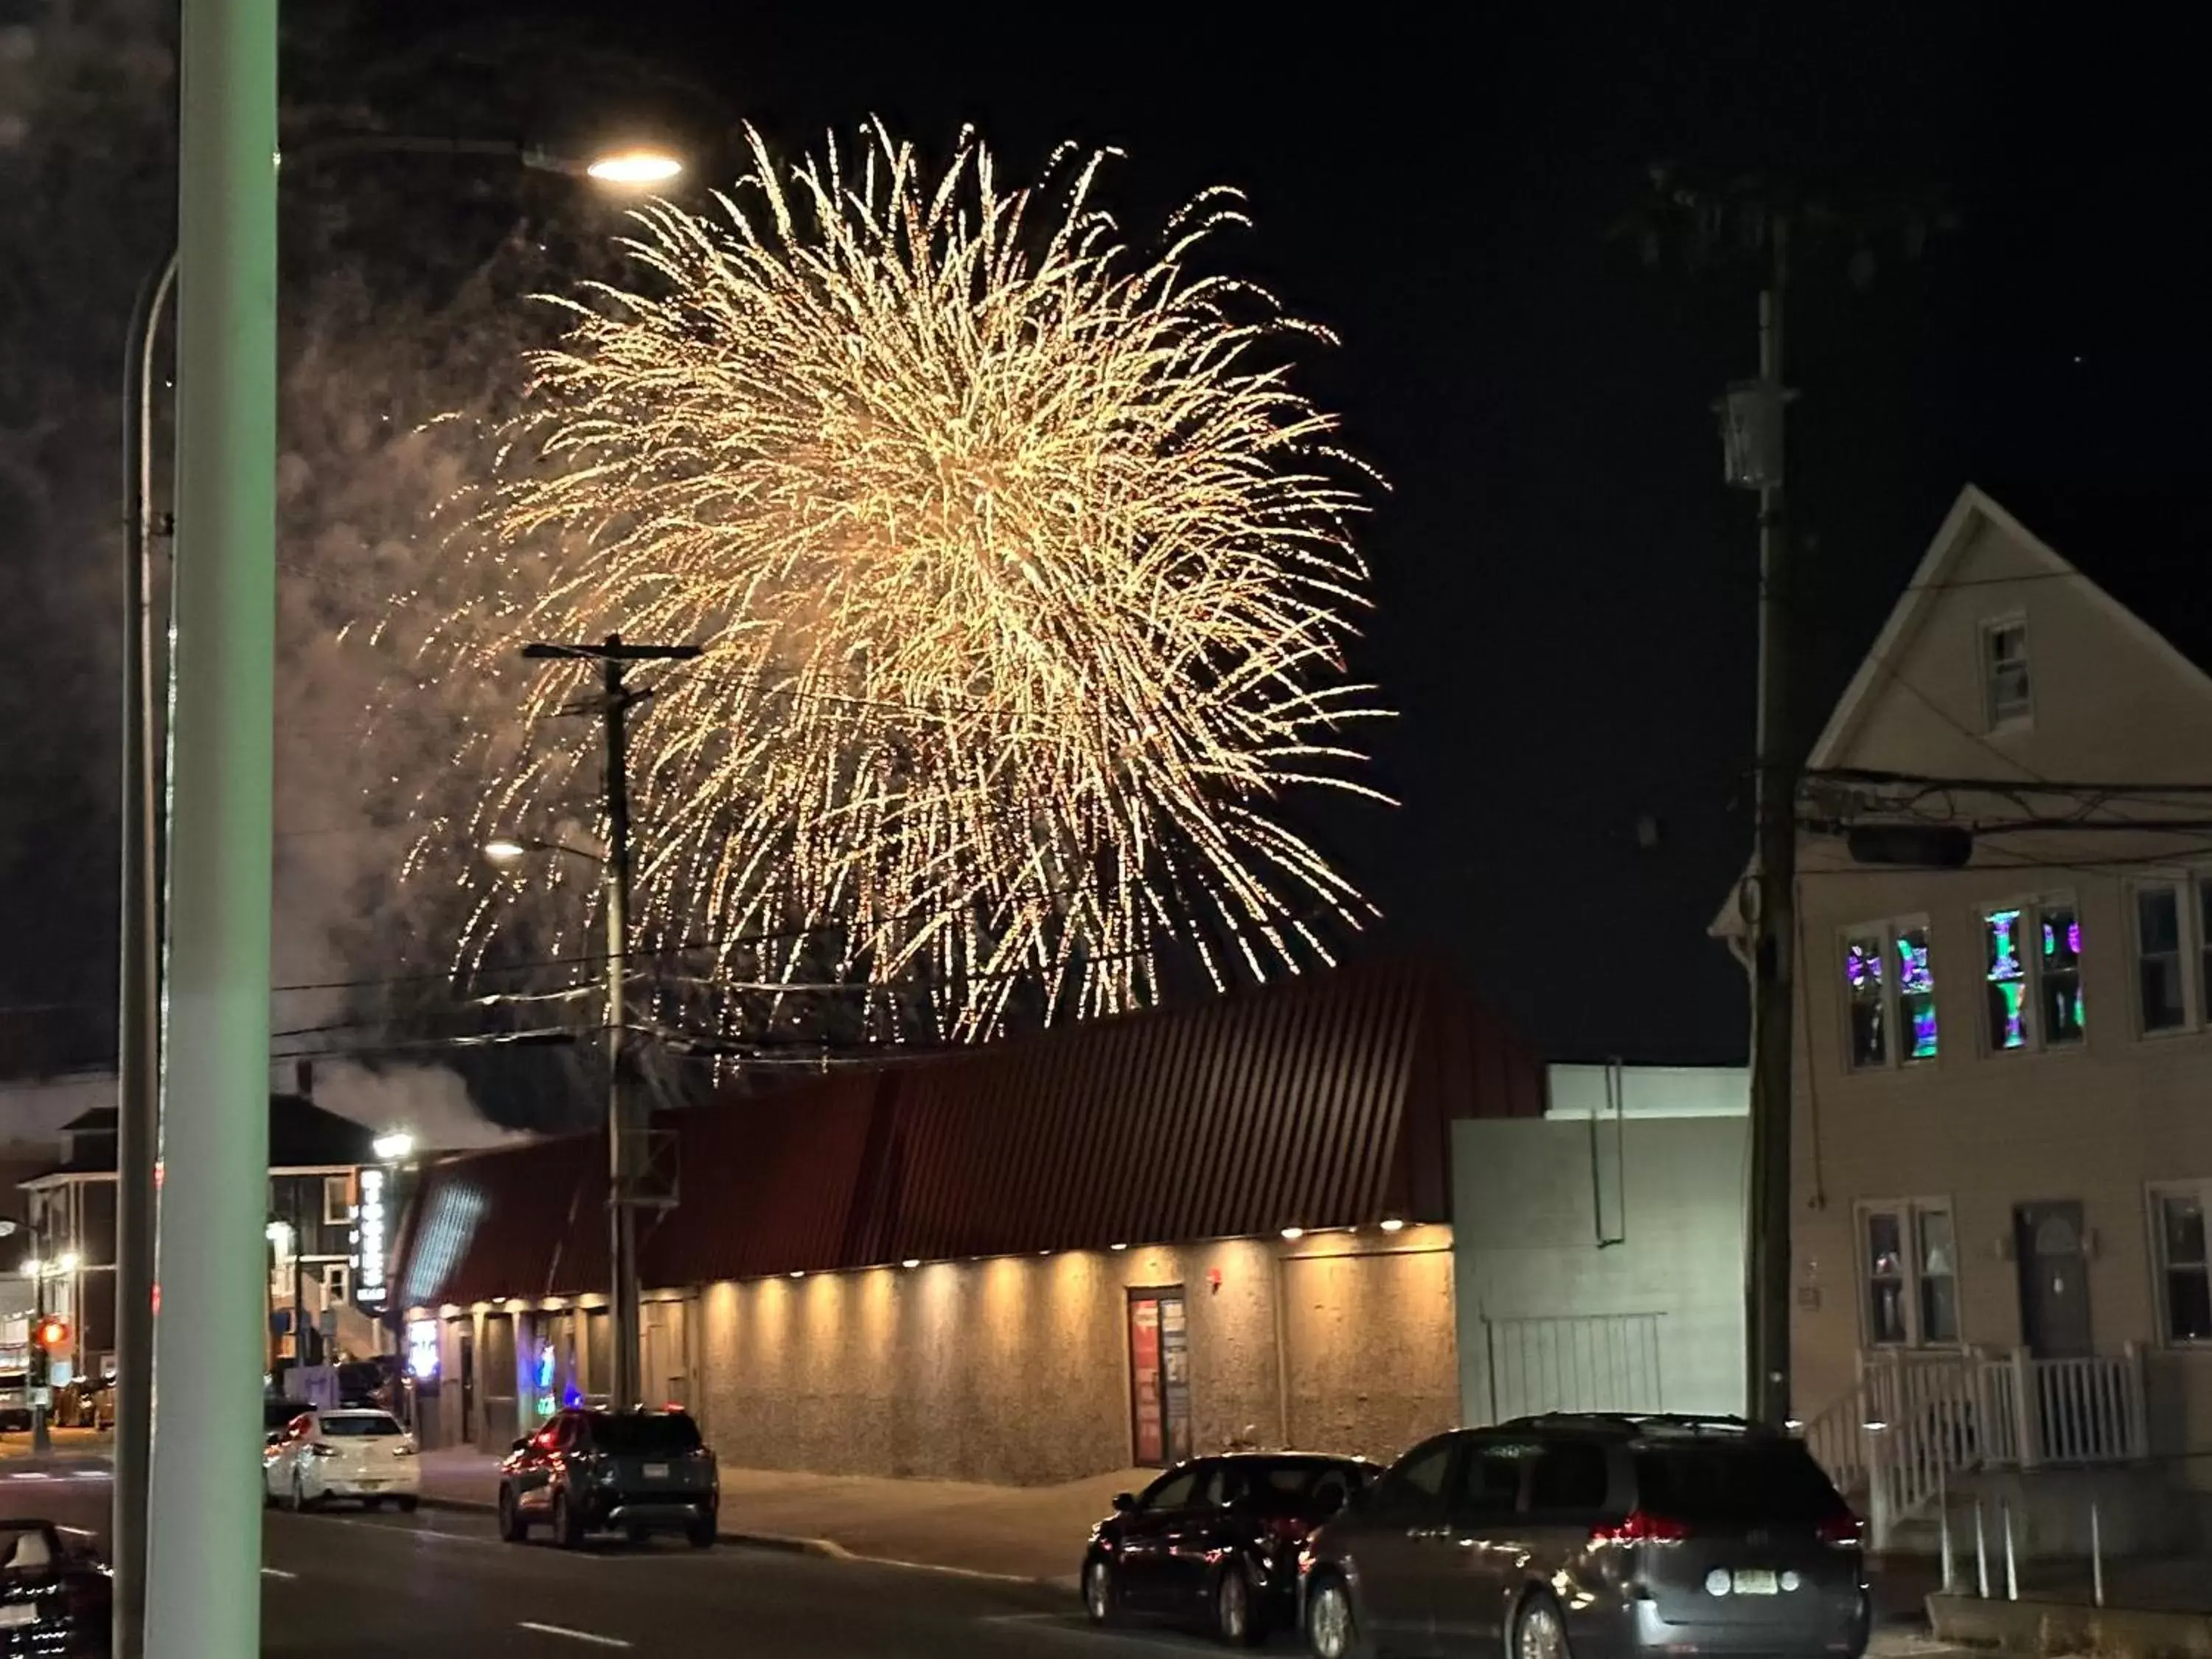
(394, 1145)
(504, 851)
(1391, 1223)
(911, 1262)
(68, 1262)
(32, 1267)
(1294, 1233)
(1117, 1247)
(798, 1273)
(635, 166)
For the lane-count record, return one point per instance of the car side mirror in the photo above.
(1124, 1502)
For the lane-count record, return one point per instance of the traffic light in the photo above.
(53, 1333)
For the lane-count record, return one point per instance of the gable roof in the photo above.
(1320, 1101)
(301, 1136)
(1970, 514)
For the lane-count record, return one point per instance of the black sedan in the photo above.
(1215, 1540)
(55, 1596)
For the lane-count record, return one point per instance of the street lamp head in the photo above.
(392, 1146)
(635, 167)
(502, 850)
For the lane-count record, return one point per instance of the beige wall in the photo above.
(1983, 1131)
(1016, 1370)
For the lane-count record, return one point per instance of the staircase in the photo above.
(1917, 1425)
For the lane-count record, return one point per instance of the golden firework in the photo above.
(1022, 573)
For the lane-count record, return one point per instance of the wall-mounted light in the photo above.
(798, 1273)
(1294, 1233)
(911, 1262)
(1392, 1223)
(1117, 1247)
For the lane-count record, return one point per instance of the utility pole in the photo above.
(625, 1117)
(38, 1367)
(1754, 432)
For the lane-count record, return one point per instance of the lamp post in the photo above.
(143, 896)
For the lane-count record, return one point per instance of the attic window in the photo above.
(2004, 671)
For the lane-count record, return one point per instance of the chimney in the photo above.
(303, 1078)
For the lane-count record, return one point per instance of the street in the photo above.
(340, 1584)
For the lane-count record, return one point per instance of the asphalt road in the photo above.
(440, 1585)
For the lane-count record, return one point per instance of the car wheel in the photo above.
(1540, 1631)
(1332, 1626)
(407, 1503)
(700, 1534)
(1235, 1617)
(1099, 1597)
(567, 1528)
(512, 1526)
(370, 1505)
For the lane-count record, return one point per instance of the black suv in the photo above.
(1606, 1536)
(635, 1472)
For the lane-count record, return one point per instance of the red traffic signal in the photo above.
(53, 1333)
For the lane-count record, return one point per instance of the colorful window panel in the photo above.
(2007, 977)
(1862, 981)
(2058, 976)
(1916, 993)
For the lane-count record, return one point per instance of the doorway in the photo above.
(1160, 1377)
(2049, 1245)
(468, 1369)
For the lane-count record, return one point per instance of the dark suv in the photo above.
(1578, 1536)
(635, 1472)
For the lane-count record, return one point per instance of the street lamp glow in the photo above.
(391, 1147)
(504, 851)
(635, 166)
(67, 1262)
(279, 1233)
(32, 1266)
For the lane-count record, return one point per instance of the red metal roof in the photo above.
(1322, 1102)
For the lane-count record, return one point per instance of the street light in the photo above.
(230, 697)
(392, 1145)
(635, 166)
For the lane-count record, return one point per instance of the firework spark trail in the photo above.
(1022, 573)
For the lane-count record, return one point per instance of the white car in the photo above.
(359, 1454)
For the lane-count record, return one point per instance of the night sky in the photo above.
(1563, 584)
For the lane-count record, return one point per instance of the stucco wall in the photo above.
(1016, 1370)
(1667, 1196)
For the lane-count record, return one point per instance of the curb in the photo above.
(785, 1543)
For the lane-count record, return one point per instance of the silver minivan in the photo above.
(1592, 1536)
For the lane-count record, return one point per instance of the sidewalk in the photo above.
(1012, 1532)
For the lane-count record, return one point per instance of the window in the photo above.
(1889, 982)
(1414, 1485)
(2184, 1285)
(1171, 1493)
(338, 1200)
(1490, 1482)
(2173, 954)
(2031, 976)
(335, 1287)
(1910, 1266)
(2004, 671)
(1569, 1479)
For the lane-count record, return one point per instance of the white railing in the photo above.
(1916, 1421)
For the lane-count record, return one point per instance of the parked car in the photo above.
(1609, 1537)
(1215, 1540)
(357, 1455)
(635, 1472)
(55, 1593)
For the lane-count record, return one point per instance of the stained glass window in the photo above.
(1862, 981)
(2058, 977)
(2007, 981)
(1916, 993)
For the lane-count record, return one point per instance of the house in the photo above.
(330, 1205)
(1116, 1243)
(2001, 1152)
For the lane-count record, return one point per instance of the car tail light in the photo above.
(317, 1448)
(1841, 1531)
(1640, 1527)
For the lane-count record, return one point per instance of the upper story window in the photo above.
(1889, 984)
(338, 1200)
(2006, 691)
(2031, 976)
(2173, 955)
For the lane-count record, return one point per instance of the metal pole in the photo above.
(2096, 1555)
(622, 1134)
(2012, 1561)
(1943, 1529)
(138, 1040)
(1766, 1326)
(204, 1524)
(1981, 1552)
(38, 1369)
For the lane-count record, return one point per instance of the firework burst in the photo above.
(1022, 573)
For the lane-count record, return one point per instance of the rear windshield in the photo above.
(641, 1435)
(368, 1423)
(1289, 1487)
(1747, 1484)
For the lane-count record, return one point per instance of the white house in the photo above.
(2002, 1133)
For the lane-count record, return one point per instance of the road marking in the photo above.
(278, 1573)
(1076, 1627)
(573, 1634)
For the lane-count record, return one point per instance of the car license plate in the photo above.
(656, 1471)
(1755, 1580)
(18, 1615)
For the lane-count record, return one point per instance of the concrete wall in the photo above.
(1650, 1318)
(1016, 1370)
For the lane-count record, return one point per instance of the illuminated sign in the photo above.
(369, 1264)
(423, 1349)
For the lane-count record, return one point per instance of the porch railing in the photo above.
(1916, 1421)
